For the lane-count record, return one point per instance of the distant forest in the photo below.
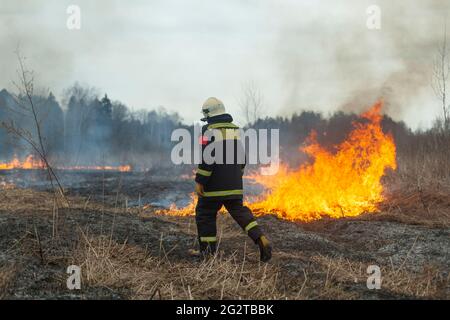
(94, 130)
(90, 130)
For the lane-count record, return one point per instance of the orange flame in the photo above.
(341, 184)
(173, 210)
(28, 163)
(31, 163)
(337, 184)
(123, 168)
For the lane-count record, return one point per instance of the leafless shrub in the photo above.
(441, 72)
(26, 106)
(251, 103)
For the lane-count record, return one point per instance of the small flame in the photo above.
(123, 168)
(173, 210)
(31, 163)
(27, 164)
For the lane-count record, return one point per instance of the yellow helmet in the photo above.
(212, 107)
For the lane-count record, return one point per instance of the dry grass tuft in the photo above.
(7, 277)
(106, 263)
(135, 274)
(429, 208)
(331, 277)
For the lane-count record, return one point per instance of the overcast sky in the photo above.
(316, 55)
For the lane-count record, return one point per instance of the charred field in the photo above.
(332, 121)
(115, 228)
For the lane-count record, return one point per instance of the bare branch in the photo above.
(251, 103)
(27, 106)
(441, 73)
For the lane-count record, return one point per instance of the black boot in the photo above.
(208, 249)
(265, 249)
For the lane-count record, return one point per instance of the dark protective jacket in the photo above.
(221, 178)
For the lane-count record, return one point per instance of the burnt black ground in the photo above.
(102, 210)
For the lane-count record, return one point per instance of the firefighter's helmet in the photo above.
(213, 107)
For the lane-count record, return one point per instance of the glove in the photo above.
(199, 189)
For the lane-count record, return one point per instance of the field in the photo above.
(115, 230)
(337, 122)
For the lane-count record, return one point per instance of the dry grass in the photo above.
(137, 274)
(413, 206)
(19, 200)
(106, 263)
(7, 277)
(131, 271)
(418, 192)
(331, 277)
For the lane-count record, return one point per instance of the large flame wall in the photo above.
(342, 183)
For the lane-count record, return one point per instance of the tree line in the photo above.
(94, 130)
(89, 129)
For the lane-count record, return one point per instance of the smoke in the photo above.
(333, 58)
(316, 55)
(38, 30)
(22, 28)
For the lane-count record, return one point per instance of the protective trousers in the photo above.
(205, 216)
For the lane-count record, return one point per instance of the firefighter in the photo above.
(219, 183)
